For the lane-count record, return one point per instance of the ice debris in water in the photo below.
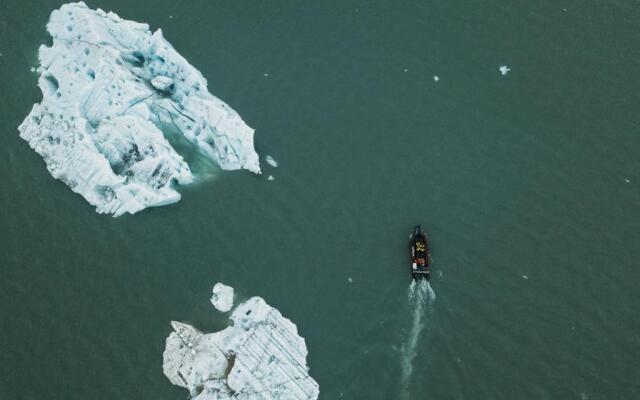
(260, 356)
(222, 297)
(110, 87)
(504, 69)
(436, 78)
(271, 161)
(270, 178)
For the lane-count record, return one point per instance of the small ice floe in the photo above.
(350, 280)
(564, 10)
(170, 16)
(627, 180)
(32, 69)
(266, 75)
(270, 178)
(406, 70)
(0, 54)
(222, 297)
(525, 277)
(504, 70)
(271, 161)
(436, 78)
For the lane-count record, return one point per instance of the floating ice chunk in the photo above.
(271, 161)
(350, 280)
(109, 87)
(266, 75)
(627, 180)
(525, 277)
(222, 298)
(504, 69)
(436, 78)
(260, 356)
(406, 70)
(270, 178)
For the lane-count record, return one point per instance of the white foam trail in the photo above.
(420, 295)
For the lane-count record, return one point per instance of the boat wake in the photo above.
(421, 296)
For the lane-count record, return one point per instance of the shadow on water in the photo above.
(420, 298)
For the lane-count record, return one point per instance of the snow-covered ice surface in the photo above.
(222, 297)
(110, 88)
(260, 356)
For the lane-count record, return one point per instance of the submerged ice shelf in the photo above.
(110, 89)
(260, 356)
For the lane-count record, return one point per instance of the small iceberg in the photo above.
(222, 297)
(259, 356)
(271, 161)
(113, 93)
(504, 70)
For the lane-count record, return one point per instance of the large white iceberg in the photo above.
(110, 89)
(259, 357)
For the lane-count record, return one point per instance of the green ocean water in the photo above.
(526, 183)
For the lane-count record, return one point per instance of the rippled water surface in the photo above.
(526, 183)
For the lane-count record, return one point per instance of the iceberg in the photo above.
(222, 297)
(259, 356)
(113, 94)
(504, 70)
(271, 161)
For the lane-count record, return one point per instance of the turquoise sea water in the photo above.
(527, 185)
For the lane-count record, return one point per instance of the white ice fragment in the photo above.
(504, 69)
(266, 75)
(436, 78)
(259, 356)
(406, 70)
(222, 298)
(109, 86)
(270, 178)
(32, 69)
(162, 83)
(271, 161)
(627, 180)
(525, 277)
(350, 280)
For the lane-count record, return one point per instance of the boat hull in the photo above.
(419, 248)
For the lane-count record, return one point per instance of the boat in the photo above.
(420, 268)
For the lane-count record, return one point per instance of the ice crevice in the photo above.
(109, 86)
(259, 356)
